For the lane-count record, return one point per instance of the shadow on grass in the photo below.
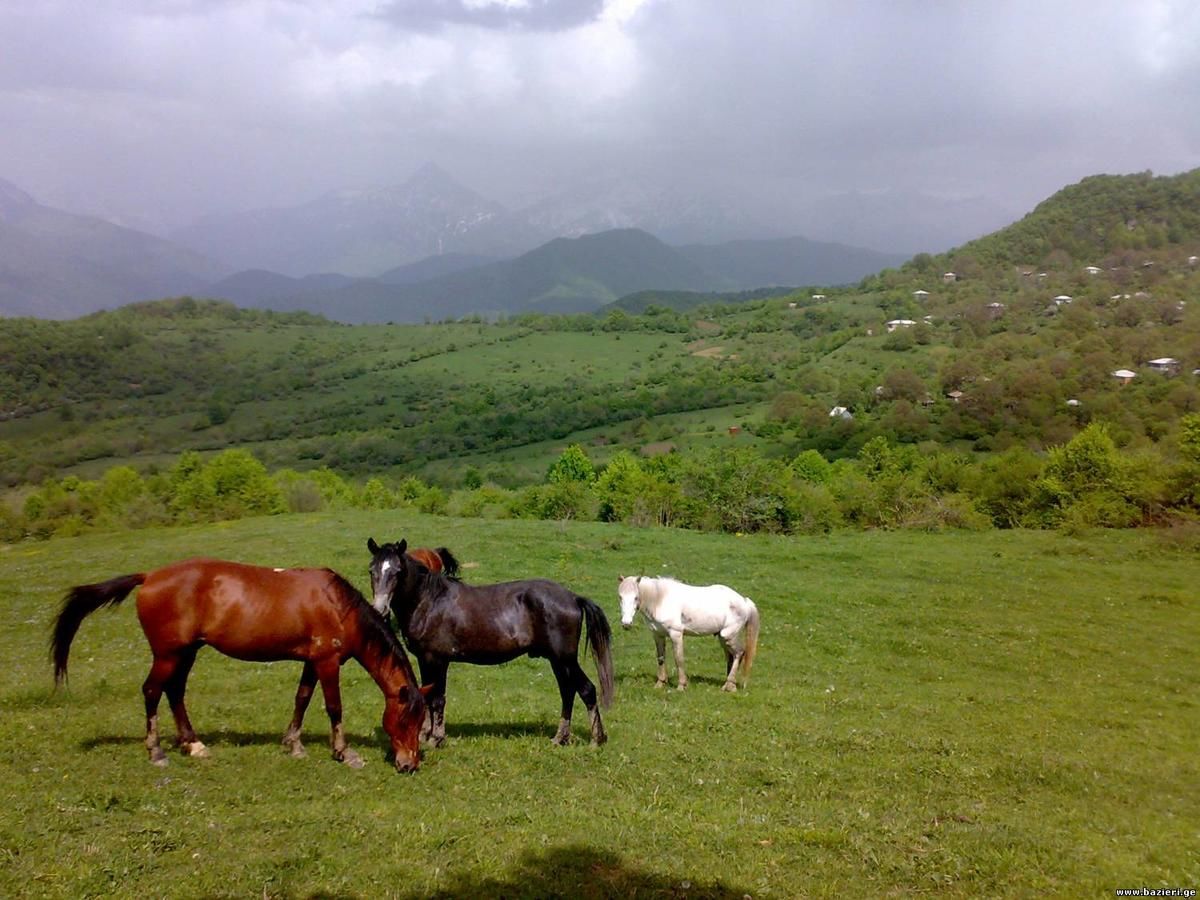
(217, 739)
(581, 871)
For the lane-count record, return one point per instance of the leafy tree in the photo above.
(375, 495)
(230, 485)
(572, 465)
(811, 467)
(1085, 482)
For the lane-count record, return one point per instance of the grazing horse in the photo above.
(253, 613)
(439, 560)
(446, 621)
(673, 609)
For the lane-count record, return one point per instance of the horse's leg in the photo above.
(587, 693)
(426, 679)
(566, 690)
(735, 648)
(328, 672)
(176, 686)
(304, 692)
(434, 672)
(680, 674)
(660, 648)
(152, 689)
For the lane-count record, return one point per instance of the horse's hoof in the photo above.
(297, 751)
(599, 740)
(681, 687)
(729, 687)
(353, 760)
(560, 740)
(196, 750)
(160, 761)
(660, 684)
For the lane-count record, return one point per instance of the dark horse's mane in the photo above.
(431, 584)
(370, 623)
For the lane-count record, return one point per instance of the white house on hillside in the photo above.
(1167, 365)
(1124, 375)
(900, 323)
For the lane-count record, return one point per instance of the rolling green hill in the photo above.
(991, 363)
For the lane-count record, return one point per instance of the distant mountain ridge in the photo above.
(364, 232)
(55, 264)
(745, 264)
(571, 275)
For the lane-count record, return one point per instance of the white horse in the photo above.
(672, 608)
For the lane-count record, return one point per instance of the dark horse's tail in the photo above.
(79, 602)
(599, 637)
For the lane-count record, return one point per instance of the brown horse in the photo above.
(253, 613)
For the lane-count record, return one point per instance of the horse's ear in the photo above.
(426, 690)
(402, 546)
(620, 578)
(372, 546)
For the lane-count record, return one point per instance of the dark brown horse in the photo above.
(444, 621)
(253, 613)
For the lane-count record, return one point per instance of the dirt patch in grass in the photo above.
(657, 449)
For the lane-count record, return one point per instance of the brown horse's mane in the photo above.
(371, 624)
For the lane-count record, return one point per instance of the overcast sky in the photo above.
(160, 110)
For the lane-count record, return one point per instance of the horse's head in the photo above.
(387, 571)
(627, 590)
(403, 717)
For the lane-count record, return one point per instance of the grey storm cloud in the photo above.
(537, 15)
(157, 112)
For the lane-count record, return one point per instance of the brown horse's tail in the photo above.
(599, 637)
(751, 641)
(449, 564)
(79, 602)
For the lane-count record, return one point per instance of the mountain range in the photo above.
(364, 232)
(428, 248)
(565, 275)
(55, 264)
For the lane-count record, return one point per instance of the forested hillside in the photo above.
(960, 374)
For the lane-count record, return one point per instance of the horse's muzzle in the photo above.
(407, 765)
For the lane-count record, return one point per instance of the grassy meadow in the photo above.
(961, 714)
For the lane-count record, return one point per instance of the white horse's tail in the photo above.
(751, 641)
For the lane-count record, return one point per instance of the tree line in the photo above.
(1085, 482)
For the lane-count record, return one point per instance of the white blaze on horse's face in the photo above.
(383, 582)
(628, 592)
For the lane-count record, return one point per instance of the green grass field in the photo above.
(997, 714)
